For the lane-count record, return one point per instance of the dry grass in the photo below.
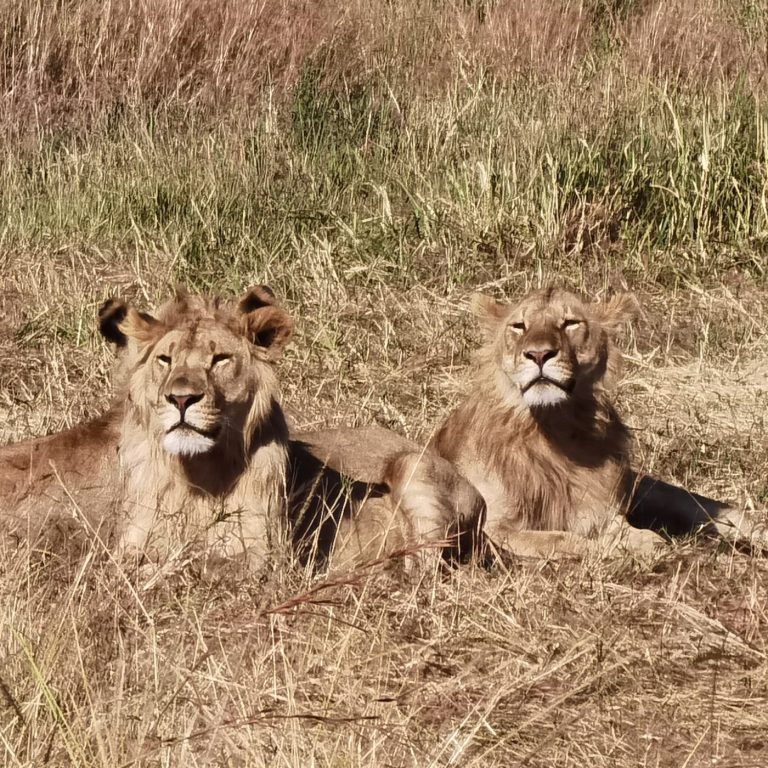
(692, 41)
(76, 61)
(376, 163)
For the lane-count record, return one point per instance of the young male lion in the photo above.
(195, 451)
(541, 440)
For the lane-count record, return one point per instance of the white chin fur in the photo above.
(185, 442)
(544, 395)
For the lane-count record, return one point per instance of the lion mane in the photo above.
(203, 443)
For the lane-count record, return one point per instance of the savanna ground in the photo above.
(375, 163)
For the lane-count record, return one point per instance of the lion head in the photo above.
(199, 374)
(552, 347)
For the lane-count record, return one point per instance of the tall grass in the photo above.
(256, 128)
(624, 177)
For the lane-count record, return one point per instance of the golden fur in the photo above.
(551, 473)
(539, 436)
(203, 443)
(425, 501)
(57, 493)
(195, 453)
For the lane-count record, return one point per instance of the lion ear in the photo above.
(617, 312)
(489, 312)
(119, 322)
(111, 313)
(256, 297)
(264, 323)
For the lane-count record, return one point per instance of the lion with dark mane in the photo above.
(540, 437)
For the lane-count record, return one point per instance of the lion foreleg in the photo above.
(139, 523)
(240, 535)
(739, 527)
(542, 544)
(440, 511)
(676, 511)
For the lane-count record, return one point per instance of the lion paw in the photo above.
(623, 539)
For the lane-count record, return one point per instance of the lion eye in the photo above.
(570, 322)
(220, 359)
(164, 359)
(518, 327)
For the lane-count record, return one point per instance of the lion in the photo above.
(541, 439)
(197, 453)
(341, 483)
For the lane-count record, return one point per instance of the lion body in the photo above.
(196, 456)
(211, 470)
(541, 440)
(60, 491)
(539, 436)
(553, 471)
(570, 478)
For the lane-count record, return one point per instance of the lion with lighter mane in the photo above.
(205, 454)
(203, 442)
(540, 437)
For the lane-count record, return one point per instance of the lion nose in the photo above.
(540, 356)
(182, 402)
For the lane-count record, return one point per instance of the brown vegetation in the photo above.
(70, 62)
(376, 163)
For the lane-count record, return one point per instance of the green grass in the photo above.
(637, 178)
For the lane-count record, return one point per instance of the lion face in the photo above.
(552, 346)
(196, 380)
(201, 370)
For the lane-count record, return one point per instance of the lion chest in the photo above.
(528, 490)
(164, 518)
